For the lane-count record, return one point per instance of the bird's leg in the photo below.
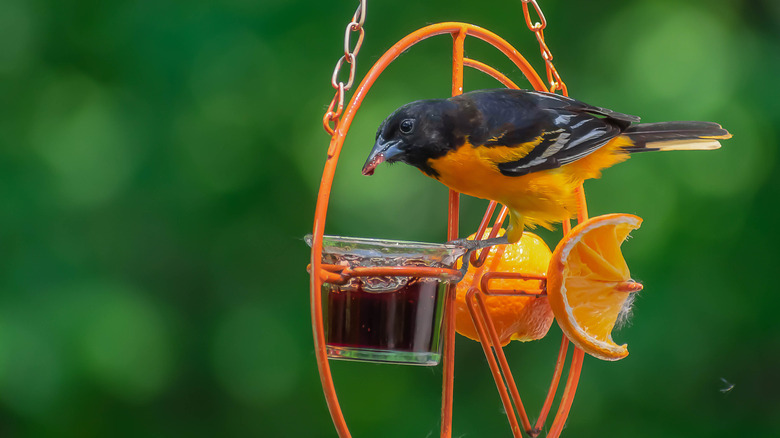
(514, 231)
(475, 245)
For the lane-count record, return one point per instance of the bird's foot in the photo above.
(475, 245)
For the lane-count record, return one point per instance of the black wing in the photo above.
(565, 129)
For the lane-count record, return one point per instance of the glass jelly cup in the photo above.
(386, 318)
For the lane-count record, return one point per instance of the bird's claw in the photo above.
(475, 245)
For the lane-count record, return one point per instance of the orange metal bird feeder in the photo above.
(333, 271)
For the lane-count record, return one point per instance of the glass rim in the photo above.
(449, 248)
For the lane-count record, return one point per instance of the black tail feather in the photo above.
(675, 136)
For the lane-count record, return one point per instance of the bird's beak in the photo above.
(383, 151)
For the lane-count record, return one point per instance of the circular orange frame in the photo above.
(321, 273)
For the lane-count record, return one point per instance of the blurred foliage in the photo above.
(160, 163)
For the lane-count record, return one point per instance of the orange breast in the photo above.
(543, 197)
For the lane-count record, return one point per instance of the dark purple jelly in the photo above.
(407, 319)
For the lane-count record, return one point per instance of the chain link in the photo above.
(331, 118)
(537, 27)
(336, 106)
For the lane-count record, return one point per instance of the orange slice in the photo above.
(589, 285)
(522, 318)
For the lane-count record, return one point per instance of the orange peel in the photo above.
(522, 318)
(589, 285)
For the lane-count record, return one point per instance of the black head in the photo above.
(415, 133)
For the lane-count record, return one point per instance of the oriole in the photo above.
(527, 150)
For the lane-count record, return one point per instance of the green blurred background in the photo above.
(160, 162)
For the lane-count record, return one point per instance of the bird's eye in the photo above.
(406, 126)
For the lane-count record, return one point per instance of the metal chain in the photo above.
(350, 57)
(553, 77)
(336, 106)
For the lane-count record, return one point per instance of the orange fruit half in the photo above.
(589, 285)
(522, 318)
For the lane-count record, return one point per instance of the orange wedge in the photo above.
(522, 318)
(589, 285)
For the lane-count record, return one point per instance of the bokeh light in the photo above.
(160, 162)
